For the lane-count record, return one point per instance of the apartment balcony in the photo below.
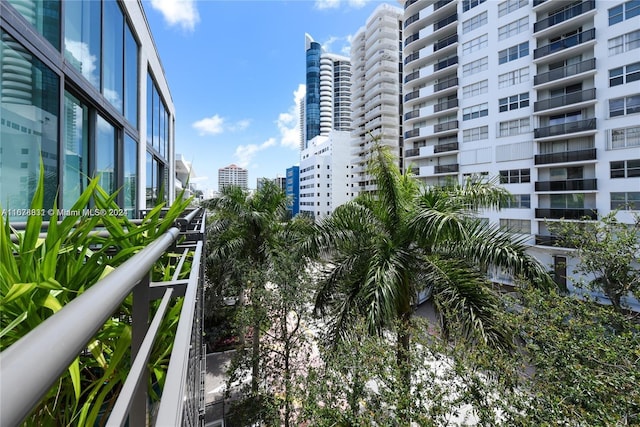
(29, 369)
(444, 148)
(565, 100)
(430, 13)
(440, 169)
(412, 152)
(444, 106)
(565, 157)
(548, 240)
(444, 127)
(449, 41)
(412, 133)
(564, 44)
(442, 88)
(412, 115)
(574, 213)
(565, 128)
(446, 63)
(564, 16)
(431, 32)
(413, 57)
(568, 185)
(573, 70)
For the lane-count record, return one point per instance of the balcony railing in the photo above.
(565, 43)
(441, 3)
(445, 63)
(34, 363)
(452, 103)
(409, 3)
(442, 127)
(445, 84)
(412, 114)
(568, 185)
(411, 76)
(446, 168)
(412, 152)
(575, 213)
(566, 156)
(564, 128)
(538, 2)
(411, 133)
(412, 95)
(410, 20)
(549, 240)
(565, 15)
(568, 71)
(412, 57)
(446, 42)
(443, 148)
(568, 99)
(413, 37)
(444, 22)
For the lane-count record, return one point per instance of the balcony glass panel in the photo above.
(442, 148)
(444, 22)
(563, 128)
(570, 98)
(567, 185)
(412, 152)
(564, 15)
(445, 84)
(446, 168)
(442, 127)
(444, 64)
(565, 43)
(445, 105)
(567, 156)
(569, 70)
(567, 213)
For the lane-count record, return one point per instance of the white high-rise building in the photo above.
(376, 89)
(325, 174)
(543, 94)
(232, 175)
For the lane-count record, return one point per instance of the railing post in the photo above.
(140, 324)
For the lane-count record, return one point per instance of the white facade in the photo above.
(376, 88)
(233, 175)
(543, 94)
(325, 174)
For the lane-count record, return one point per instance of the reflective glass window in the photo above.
(105, 155)
(76, 140)
(29, 116)
(44, 15)
(82, 38)
(130, 77)
(130, 175)
(113, 54)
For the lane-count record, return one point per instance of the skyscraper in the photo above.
(327, 103)
(544, 95)
(376, 58)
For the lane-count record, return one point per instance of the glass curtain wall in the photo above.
(76, 142)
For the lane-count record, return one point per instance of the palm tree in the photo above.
(384, 247)
(243, 233)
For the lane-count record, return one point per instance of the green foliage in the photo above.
(38, 276)
(607, 250)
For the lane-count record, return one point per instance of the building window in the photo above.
(514, 127)
(624, 43)
(475, 67)
(82, 35)
(513, 28)
(621, 75)
(624, 106)
(475, 134)
(475, 111)
(113, 54)
(131, 77)
(475, 44)
(105, 155)
(30, 118)
(130, 163)
(469, 4)
(624, 11)
(513, 77)
(475, 89)
(625, 168)
(76, 141)
(515, 176)
(514, 102)
(513, 53)
(157, 120)
(509, 6)
(629, 200)
(517, 201)
(474, 22)
(47, 22)
(624, 137)
(520, 226)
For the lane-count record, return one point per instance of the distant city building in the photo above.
(327, 103)
(325, 174)
(281, 182)
(292, 189)
(376, 58)
(99, 107)
(233, 175)
(184, 176)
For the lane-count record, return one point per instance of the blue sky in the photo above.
(236, 70)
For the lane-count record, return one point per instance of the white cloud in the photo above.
(245, 153)
(334, 4)
(211, 125)
(289, 122)
(178, 12)
(326, 46)
(215, 125)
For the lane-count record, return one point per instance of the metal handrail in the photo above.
(29, 376)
